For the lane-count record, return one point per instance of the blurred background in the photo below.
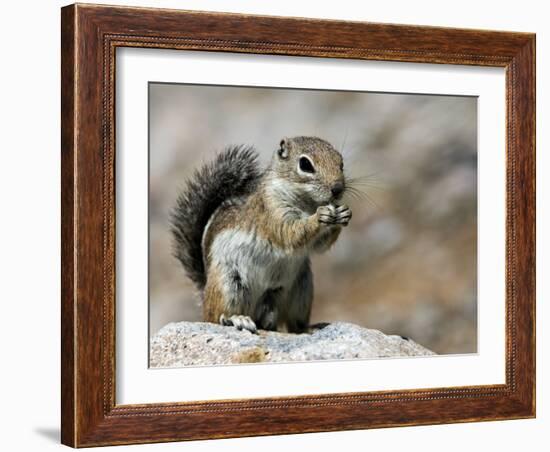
(406, 264)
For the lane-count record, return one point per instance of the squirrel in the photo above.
(244, 236)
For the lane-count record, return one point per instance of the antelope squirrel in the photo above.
(244, 236)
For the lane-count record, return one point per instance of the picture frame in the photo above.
(90, 36)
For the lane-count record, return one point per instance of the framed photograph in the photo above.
(281, 225)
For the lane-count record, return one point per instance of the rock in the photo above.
(196, 343)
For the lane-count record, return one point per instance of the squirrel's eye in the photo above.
(305, 165)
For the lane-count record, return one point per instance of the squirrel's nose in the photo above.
(337, 189)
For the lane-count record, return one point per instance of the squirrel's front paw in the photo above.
(342, 215)
(241, 322)
(326, 214)
(334, 215)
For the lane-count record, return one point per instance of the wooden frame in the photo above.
(90, 35)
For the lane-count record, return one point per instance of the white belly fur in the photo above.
(261, 266)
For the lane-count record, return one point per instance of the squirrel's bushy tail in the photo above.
(234, 172)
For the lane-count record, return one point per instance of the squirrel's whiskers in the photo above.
(360, 189)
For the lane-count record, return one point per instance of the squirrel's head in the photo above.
(311, 168)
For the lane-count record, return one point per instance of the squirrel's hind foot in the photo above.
(241, 322)
(317, 326)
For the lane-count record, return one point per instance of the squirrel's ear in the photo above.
(283, 149)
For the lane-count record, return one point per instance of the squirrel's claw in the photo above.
(342, 215)
(241, 322)
(326, 214)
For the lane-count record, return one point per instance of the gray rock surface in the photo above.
(196, 343)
